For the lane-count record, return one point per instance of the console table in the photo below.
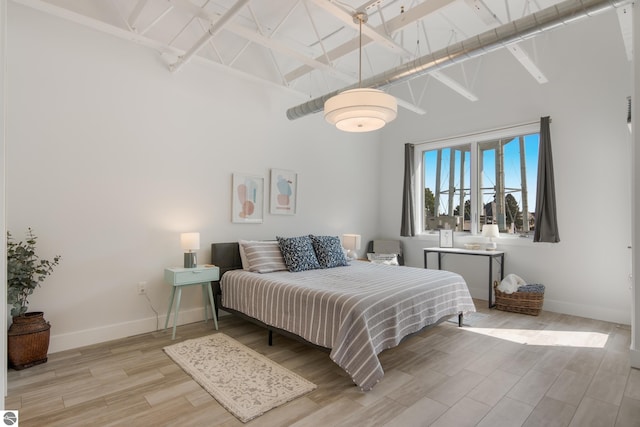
(491, 255)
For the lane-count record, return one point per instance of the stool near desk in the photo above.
(179, 277)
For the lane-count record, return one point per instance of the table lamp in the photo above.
(491, 231)
(351, 242)
(190, 242)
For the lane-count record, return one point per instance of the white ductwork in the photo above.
(513, 32)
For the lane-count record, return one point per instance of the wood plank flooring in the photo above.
(506, 370)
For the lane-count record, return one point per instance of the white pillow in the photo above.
(387, 259)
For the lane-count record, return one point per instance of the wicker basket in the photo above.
(519, 302)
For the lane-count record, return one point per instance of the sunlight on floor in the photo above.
(546, 337)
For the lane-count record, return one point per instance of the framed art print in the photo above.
(446, 238)
(247, 203)
(284, 192)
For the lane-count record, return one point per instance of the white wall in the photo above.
(110, 156)
(635, 318)
(587, 273)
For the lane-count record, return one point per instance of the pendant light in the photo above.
(361, 109)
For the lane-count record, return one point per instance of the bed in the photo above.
(355, 311)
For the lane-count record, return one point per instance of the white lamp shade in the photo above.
(360, 110)
(351, 241)
(490, 230)
(190, 241)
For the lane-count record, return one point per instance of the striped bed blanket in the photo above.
(356, 311)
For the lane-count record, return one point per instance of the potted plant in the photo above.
(28, 337)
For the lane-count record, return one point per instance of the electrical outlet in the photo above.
(142, 288)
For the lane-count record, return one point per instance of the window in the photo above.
(486, 178)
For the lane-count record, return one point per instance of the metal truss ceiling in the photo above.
(311, 46)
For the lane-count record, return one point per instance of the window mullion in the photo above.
(475, 179)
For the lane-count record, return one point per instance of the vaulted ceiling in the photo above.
(311, 46)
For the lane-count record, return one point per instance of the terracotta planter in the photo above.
(28, 340)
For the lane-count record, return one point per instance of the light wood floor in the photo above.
(507, 370)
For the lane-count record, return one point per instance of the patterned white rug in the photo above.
(245, 382)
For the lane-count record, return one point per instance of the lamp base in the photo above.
(190, 260)
(491, 246)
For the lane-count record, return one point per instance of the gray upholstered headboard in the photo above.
(226, 256)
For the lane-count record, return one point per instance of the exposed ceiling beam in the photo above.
(521, 55)
(163, 49)
(215, 28)
(269, 43)
(446, 80)
(409, 17)
(625, 15)
(491, 19)
(524, 28)
(281, 48)
(410, 106)
(158, 19)
(264, 41)
(372, 33)
(135, 13)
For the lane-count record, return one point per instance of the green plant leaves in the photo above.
(25, 271)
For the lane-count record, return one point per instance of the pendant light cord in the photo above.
(360, 56)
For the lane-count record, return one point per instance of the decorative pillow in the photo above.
(243, 256)
(388, 259)
(329, 251)
(298, 253)
(263, 257)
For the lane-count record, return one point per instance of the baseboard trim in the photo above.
(71, 340)
(634, 358)
(591, 312)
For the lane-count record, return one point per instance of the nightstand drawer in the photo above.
(184, 276)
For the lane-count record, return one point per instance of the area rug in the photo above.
(469, 319)
(245, 382)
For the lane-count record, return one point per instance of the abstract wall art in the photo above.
(284, 190)
(247, 204)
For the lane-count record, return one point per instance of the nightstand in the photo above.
(181, 277)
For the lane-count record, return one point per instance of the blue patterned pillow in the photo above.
(298, 253)
(328, 251)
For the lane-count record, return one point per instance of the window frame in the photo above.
(474, 140)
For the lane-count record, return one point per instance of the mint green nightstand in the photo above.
(179, 277)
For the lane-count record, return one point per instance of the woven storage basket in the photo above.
(28, 340)
(519, 302)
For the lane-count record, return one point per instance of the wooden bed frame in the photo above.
(226, 256)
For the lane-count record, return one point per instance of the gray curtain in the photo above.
(408, 227)
(546, 228)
